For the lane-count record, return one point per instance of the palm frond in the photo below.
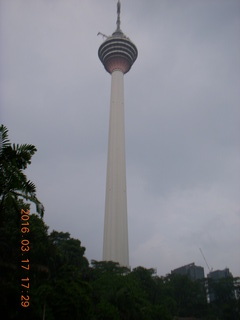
(39, 206)
(29, 187)
(23, 154)
(24, 148)
(4, 141)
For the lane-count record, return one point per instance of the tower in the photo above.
(117, 53)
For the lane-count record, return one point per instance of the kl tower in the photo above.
(117, 53)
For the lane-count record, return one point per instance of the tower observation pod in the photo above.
(117, 53)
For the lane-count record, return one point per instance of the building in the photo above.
(117, 53)
(190, 270)
(214, 277)
(220, 274)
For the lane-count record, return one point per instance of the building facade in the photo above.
(190, 270)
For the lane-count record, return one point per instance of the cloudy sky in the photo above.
(182, 108)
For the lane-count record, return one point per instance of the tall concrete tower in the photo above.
(117, 53)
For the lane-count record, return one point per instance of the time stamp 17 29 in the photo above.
(25, 261)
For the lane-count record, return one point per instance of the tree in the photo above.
(66, 289)
(14, 184)
(116, 293)
(68, 252)
(225, 300)
(15, 188)
(189, 295)
(157, 305)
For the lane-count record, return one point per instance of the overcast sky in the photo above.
(182, 109)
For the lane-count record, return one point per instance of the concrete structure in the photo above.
(220, 274)
(190, 270)
(117, 53)
(216, 276)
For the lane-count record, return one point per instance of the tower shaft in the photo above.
(115, 245)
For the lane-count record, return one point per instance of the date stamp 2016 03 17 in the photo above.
(25, 262)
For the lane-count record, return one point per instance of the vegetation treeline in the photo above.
(62, 283)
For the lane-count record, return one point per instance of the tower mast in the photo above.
(117, 53)
(118, 15)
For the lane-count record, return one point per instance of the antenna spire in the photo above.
(118, 15)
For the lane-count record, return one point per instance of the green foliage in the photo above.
(69, 250)
(225, 299)
(63, 285)
(14, 184)
(189, 296)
